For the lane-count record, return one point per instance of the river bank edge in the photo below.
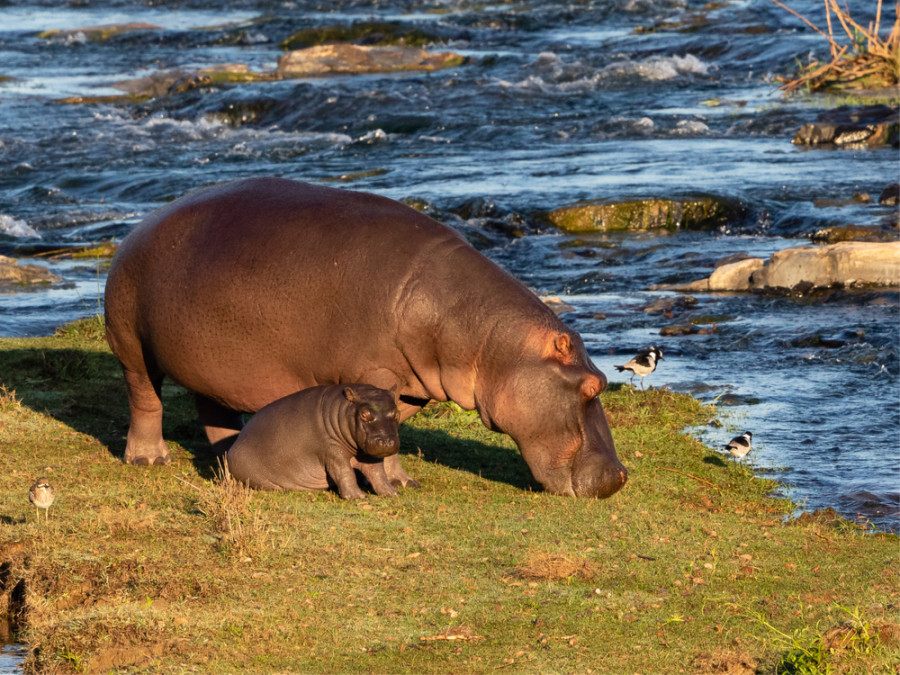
(169, 569)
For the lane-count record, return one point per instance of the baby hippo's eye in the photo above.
(366, 415)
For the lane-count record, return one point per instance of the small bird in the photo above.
(739, 446)
(42, 495)
(643, 364)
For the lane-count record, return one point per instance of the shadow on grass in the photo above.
(495, 463)
(714, 460)
(85, 390)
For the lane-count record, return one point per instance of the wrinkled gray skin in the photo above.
(249, 291)
(300, 441)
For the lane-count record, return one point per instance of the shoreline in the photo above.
(693, 563)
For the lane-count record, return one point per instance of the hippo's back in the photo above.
(267, 281)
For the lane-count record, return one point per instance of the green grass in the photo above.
(692, 567)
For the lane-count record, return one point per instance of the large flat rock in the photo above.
(347, 59)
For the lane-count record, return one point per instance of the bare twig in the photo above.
(690, 475)
(804, 20)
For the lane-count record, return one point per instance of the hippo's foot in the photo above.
(147, 455)
(351, 492)
(396, 475)
(375, 475)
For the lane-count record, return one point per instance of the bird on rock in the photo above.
(643, 364)
(42, 495)
(739, 446)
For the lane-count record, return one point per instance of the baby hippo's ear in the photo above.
(350, 395)
(393, 390)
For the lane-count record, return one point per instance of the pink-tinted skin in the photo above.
(300, 441)
(249, 291)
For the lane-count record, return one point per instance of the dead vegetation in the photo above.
(226, 502)
(551, 566)
(860, 59)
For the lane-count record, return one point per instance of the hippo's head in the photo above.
(547, 402)
(374, 419)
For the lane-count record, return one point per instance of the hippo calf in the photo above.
(300, 441)
(249, 291)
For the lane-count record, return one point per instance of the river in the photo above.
(558, 102)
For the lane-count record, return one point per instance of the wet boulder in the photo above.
(853, 127)
(734, 276)
(14, 274)
(700, 212)
(846, 263)
(804, 268)
(347, 59)
(890, 196)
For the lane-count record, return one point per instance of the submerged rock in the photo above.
(14, 274)
(699, 212)
(347, 59)
(96, 33)
(890, 195)
(833, 235)
(165, 82)
(853, 126)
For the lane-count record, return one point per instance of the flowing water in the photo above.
(558, 102)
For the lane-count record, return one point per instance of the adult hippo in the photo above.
(249, 291)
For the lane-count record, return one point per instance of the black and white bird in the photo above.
(643, 364)
(739, 446)
(42, 495)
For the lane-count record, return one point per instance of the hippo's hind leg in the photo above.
(145, 443)
(222, 424)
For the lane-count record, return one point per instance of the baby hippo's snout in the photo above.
(383, 446)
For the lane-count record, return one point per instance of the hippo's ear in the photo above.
(393, 390)
(561, 349)
(350, 395)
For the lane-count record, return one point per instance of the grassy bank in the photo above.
(691, 568)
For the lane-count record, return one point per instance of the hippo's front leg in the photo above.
(374, 473)
(395, 473)
(339, 469)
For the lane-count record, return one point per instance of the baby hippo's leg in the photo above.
(341, 472)
(374, 472)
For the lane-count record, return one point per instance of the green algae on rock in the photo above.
(699, 212)
(373, 33)
(97, 33)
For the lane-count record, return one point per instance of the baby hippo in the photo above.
(300, 441)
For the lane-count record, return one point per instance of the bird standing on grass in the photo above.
(739, 446)
(42, 495)
(643, 364)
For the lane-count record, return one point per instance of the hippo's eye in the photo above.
(395, 415)
(366, 415)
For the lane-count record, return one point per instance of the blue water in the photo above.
(558, 103)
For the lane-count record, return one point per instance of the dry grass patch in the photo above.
(861, 59)
(553, 567)
(227, 503)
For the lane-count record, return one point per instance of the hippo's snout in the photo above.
(382, 447)
(598, 477)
